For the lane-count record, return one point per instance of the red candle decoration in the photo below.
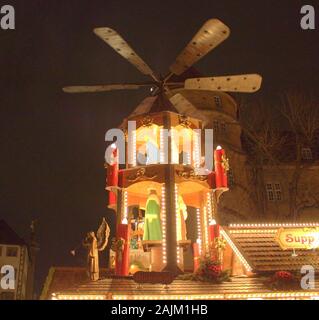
(220, 167)
(122, 255)
(113, 168)
(196, 256)
(112, 178)
(112, 199)
(211, 232)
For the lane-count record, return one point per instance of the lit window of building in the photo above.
(306, 154)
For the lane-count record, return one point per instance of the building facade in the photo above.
(243, 203)
(16, 253)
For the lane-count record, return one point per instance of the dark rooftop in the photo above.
(8, 236)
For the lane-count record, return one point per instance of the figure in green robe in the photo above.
(152, 225)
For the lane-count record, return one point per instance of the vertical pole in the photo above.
(171, 236)
(204, 225)
(196, 256)
(118, 258)
(123, 260)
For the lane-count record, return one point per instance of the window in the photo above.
(230, 178)
(274, 191)
(270, 192)
(12, 251)
(219, 127)
(218, 101)
(278, 194)
(306, 154)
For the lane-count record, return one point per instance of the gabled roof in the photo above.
(8, 236)
(158, 103)
(258, 248)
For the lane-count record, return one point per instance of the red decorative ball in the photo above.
(283, 275)
(214, 270)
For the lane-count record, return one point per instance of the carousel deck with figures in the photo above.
(253, 253)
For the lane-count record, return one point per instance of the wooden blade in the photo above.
(238, 83)
(102, 88)
(211, 34)
(114, 40)
(185, 107)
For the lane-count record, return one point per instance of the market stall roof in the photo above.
(61, 278)
(254, 244)
(71, 283)
(257, 246)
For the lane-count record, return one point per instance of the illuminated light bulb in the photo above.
(219, 148)
(164, 257)
(124, 221)
(212, 222)
(239, 255)
(133, 155)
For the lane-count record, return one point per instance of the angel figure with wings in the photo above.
(94, 244)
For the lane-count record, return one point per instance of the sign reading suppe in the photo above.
(298, 238)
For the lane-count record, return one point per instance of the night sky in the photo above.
(52, 143)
